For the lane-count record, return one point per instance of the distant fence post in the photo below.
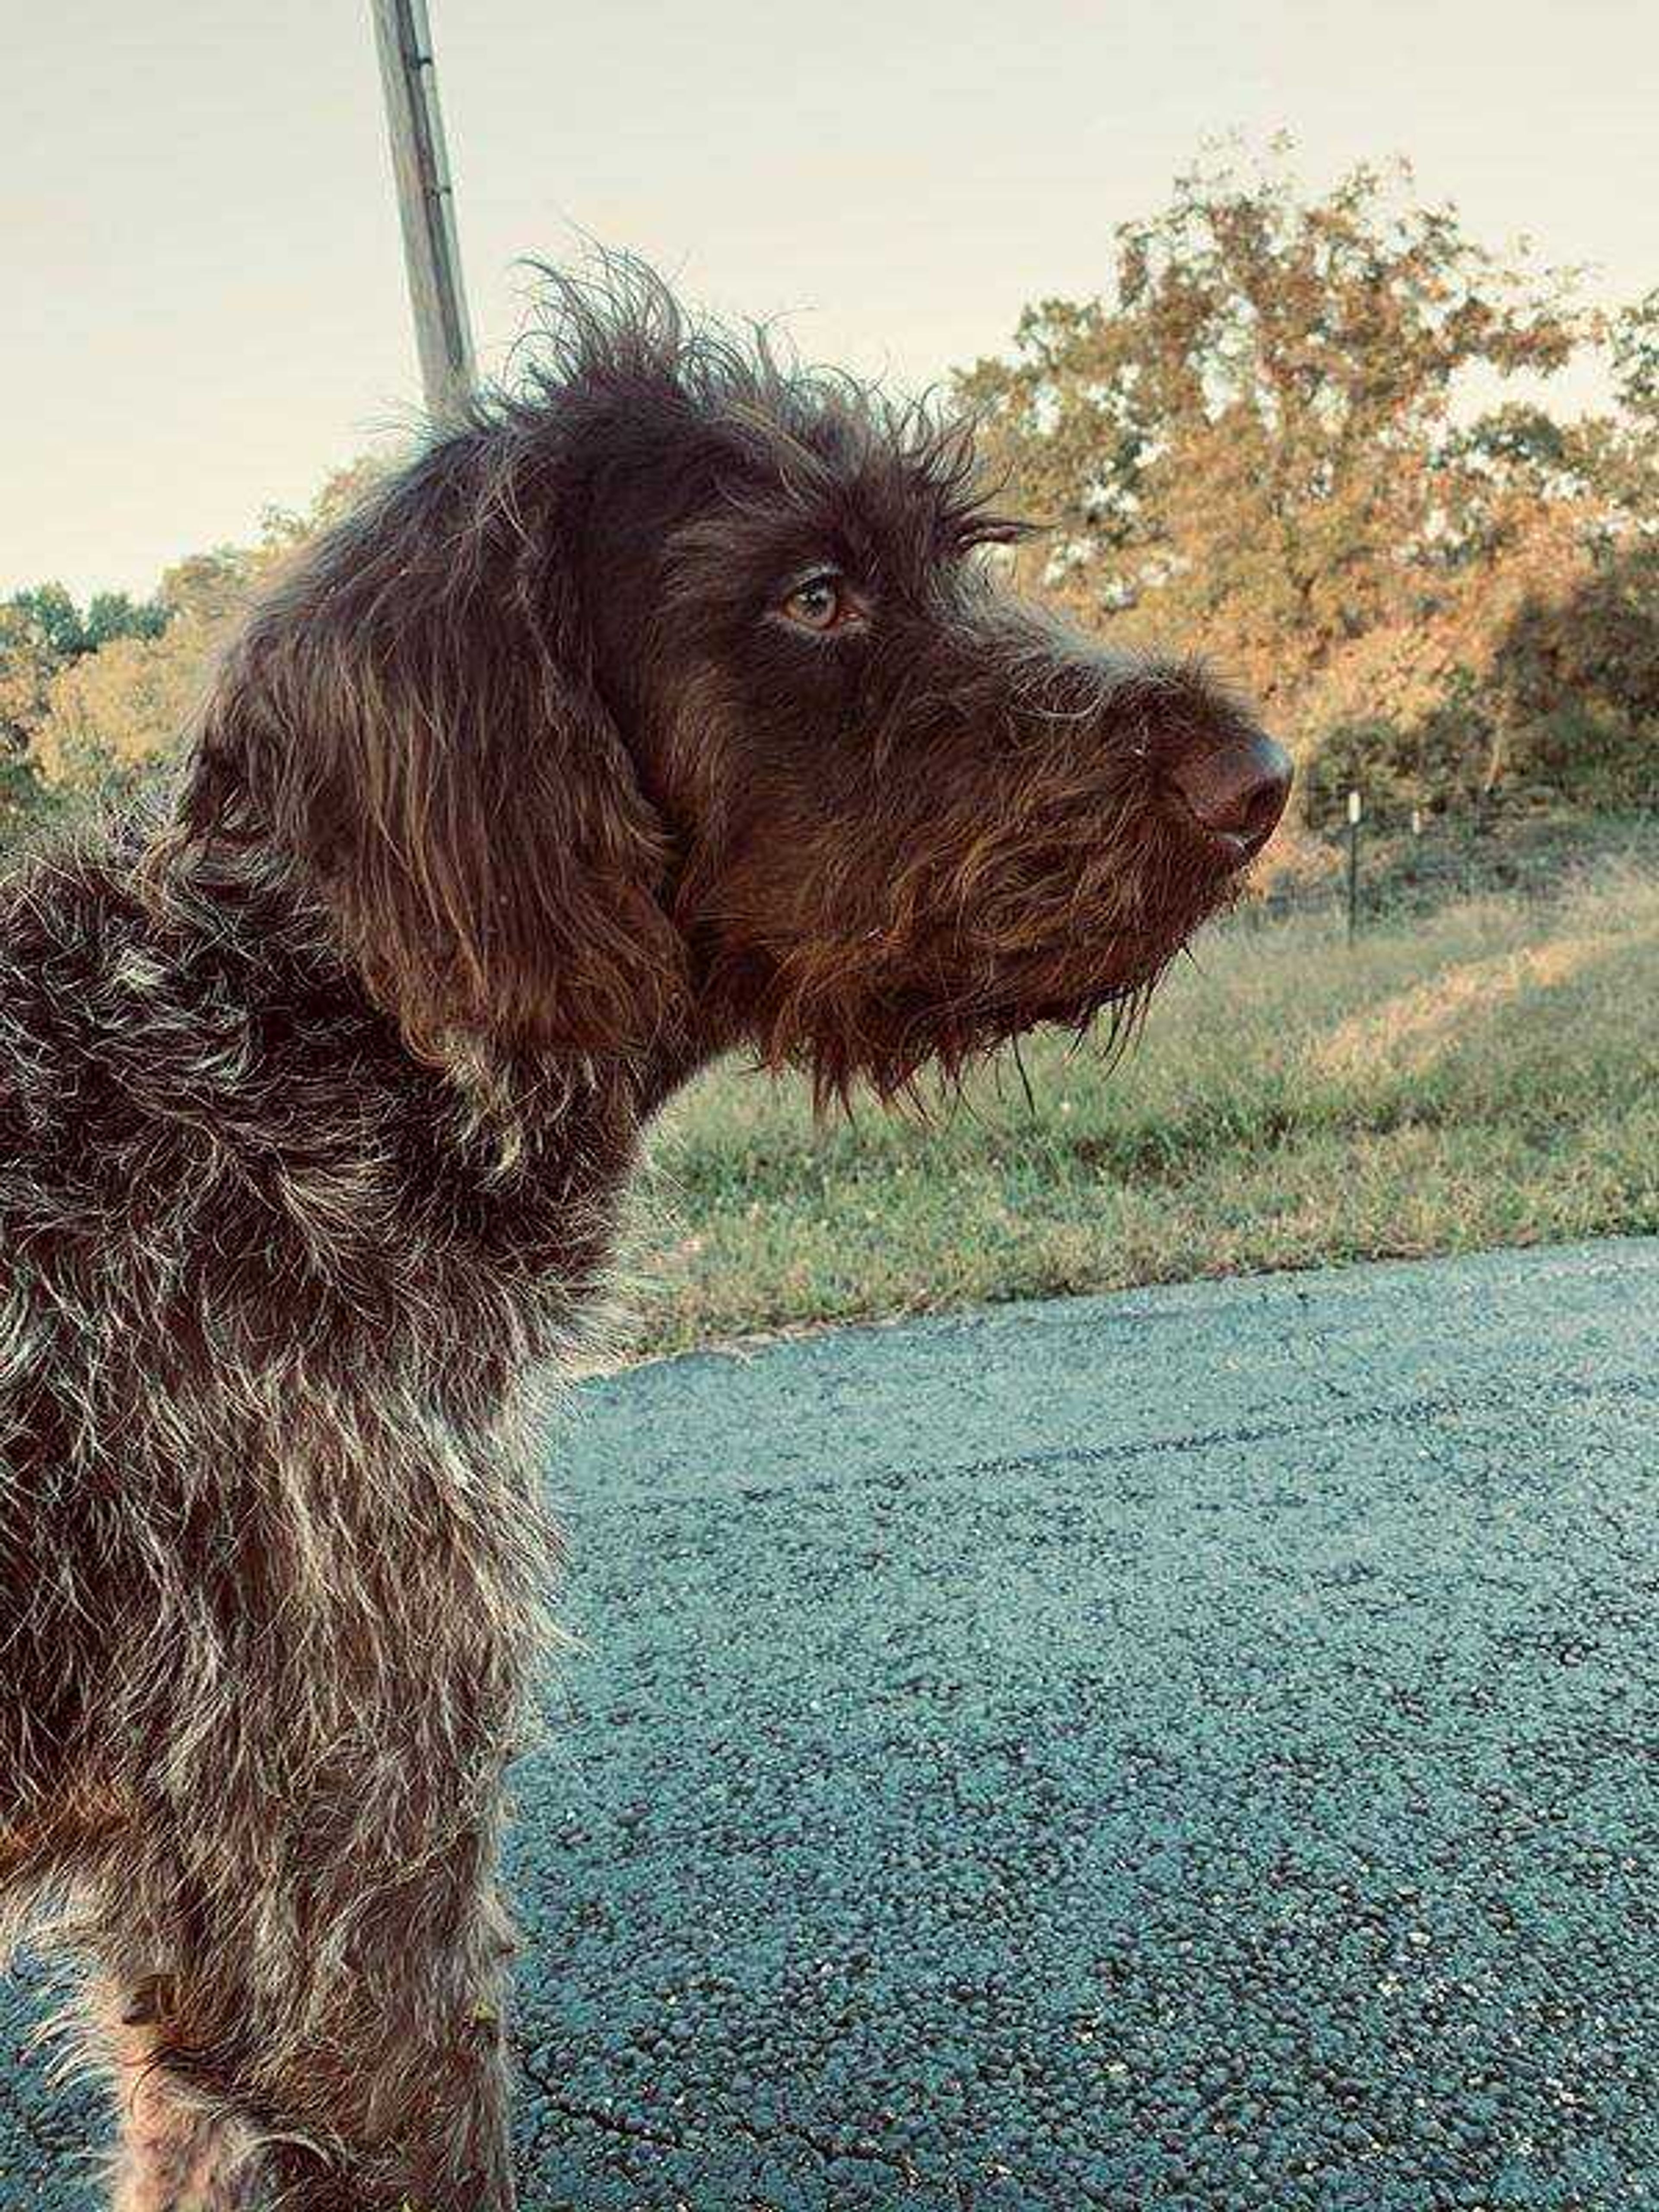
(1354, 811)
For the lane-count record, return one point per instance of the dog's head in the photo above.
(675, 703)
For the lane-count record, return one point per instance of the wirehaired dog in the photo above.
(668, 707)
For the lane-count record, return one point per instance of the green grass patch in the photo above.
(1484, 1074)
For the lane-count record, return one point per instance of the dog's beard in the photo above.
(1071, 920)
(884, 1030)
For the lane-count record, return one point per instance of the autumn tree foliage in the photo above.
(91, 698)
(1311, 438)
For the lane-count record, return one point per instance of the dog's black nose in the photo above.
(1237, 790)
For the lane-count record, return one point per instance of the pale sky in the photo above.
(203, 279)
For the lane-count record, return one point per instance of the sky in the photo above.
(199, 256)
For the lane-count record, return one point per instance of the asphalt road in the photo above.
(1196, 1748)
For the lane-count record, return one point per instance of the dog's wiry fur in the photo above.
(515, 802)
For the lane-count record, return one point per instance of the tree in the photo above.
(48, 616)
(42, 632)
(111, 713)
(1240, 444)
(123, 692)
(27, 665)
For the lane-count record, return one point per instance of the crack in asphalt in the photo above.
(826, 2147)
(1404, 1414)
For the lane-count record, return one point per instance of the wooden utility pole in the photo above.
(426, 202)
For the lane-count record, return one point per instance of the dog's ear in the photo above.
(413, 718)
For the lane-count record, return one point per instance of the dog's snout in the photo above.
(1235, 790)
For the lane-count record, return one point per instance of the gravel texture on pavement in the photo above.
(1192, 1748)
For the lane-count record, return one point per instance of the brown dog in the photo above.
(669, 707)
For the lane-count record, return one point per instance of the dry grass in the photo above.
(1488, 1074)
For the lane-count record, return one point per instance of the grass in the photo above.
(1484, 1074)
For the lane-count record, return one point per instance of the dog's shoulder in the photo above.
(193, 1074)
(155, 1008)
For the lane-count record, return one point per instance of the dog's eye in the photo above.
(823, 602)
